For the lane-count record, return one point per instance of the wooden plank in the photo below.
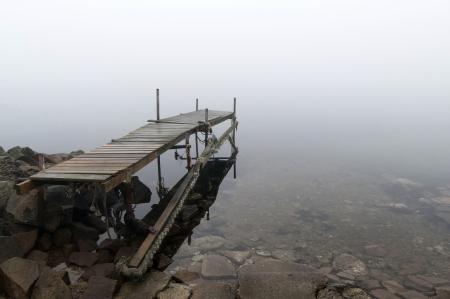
(70, 177)
(26, 186)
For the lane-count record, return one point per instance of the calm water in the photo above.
(310, 206)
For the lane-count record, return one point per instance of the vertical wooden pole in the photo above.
(207, 127)
(196, 134)
(234, 135)
(188, 152)
(158, 159)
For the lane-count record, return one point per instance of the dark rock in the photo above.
(217, 267)
(2, 151)
(26, 240)
(393, 286)
(68, 249)
(50, 285)
(17, 276)
(105, 256)
(83, 259)
(19, 152)
(186, 276)
(216, 290)
(106, 270)
(62, 236)
(55, 257)
(52, 222)
(163, 261)
(81, 231)
(175, 291)
(411, 294)
(123, 252)
(38, 256)
(188, 212)
(9, 248)
(383, 294)
(73, 274)
(29, 208)
(76, 153)
(100, 287)
(86, 245)
(153, 283)
(95, 222)
(112, 245)
(142, 194)
(44, 242)
(6, 189)
(435, 281)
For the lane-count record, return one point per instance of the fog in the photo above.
(359, 81)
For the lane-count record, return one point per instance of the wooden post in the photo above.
(158, 159)
(188, 152)
(157, 104)
(234, 135)
(207, 127)
(196, 134)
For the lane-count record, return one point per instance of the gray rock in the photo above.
(86, 245)
(175, 291)
(216, 290)
(411, 294)
(100, 287)
(2, 151)
(96, 222)
(112, 245)
(355, 293)
(287, 280)
(419, 284)
(123, 252)
(73, 274)
(285, 255)
(371, 284)
(163, 262)
(208, 243)
(217, 267)
(83, 259)
(375, 250)
(18, 276)
(51, 285)
(393, 286)
(350, 264)
(153, 283)
(6, 189)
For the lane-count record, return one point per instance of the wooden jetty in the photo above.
(113, 164)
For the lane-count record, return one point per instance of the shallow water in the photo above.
(315, 208)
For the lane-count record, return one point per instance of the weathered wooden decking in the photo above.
(111, 164)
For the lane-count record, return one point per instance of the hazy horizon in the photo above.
(358, 78)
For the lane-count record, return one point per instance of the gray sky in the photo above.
(78, 73)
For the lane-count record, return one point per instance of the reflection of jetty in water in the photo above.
(196, 207)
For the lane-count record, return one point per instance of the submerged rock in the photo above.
(237, 257)
(175, 291)
(217, 290)
(350, 264)
(217, 267)
(208, 243)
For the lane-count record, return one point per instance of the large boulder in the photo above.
(350, 264)
(25, 154)
(29, 208)
(51, 285)
(208, 243)
(82, 231)
(17, 276)
(83, 259)
(26, 240)
(175, 291)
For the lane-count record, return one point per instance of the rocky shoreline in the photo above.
(60, 249)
